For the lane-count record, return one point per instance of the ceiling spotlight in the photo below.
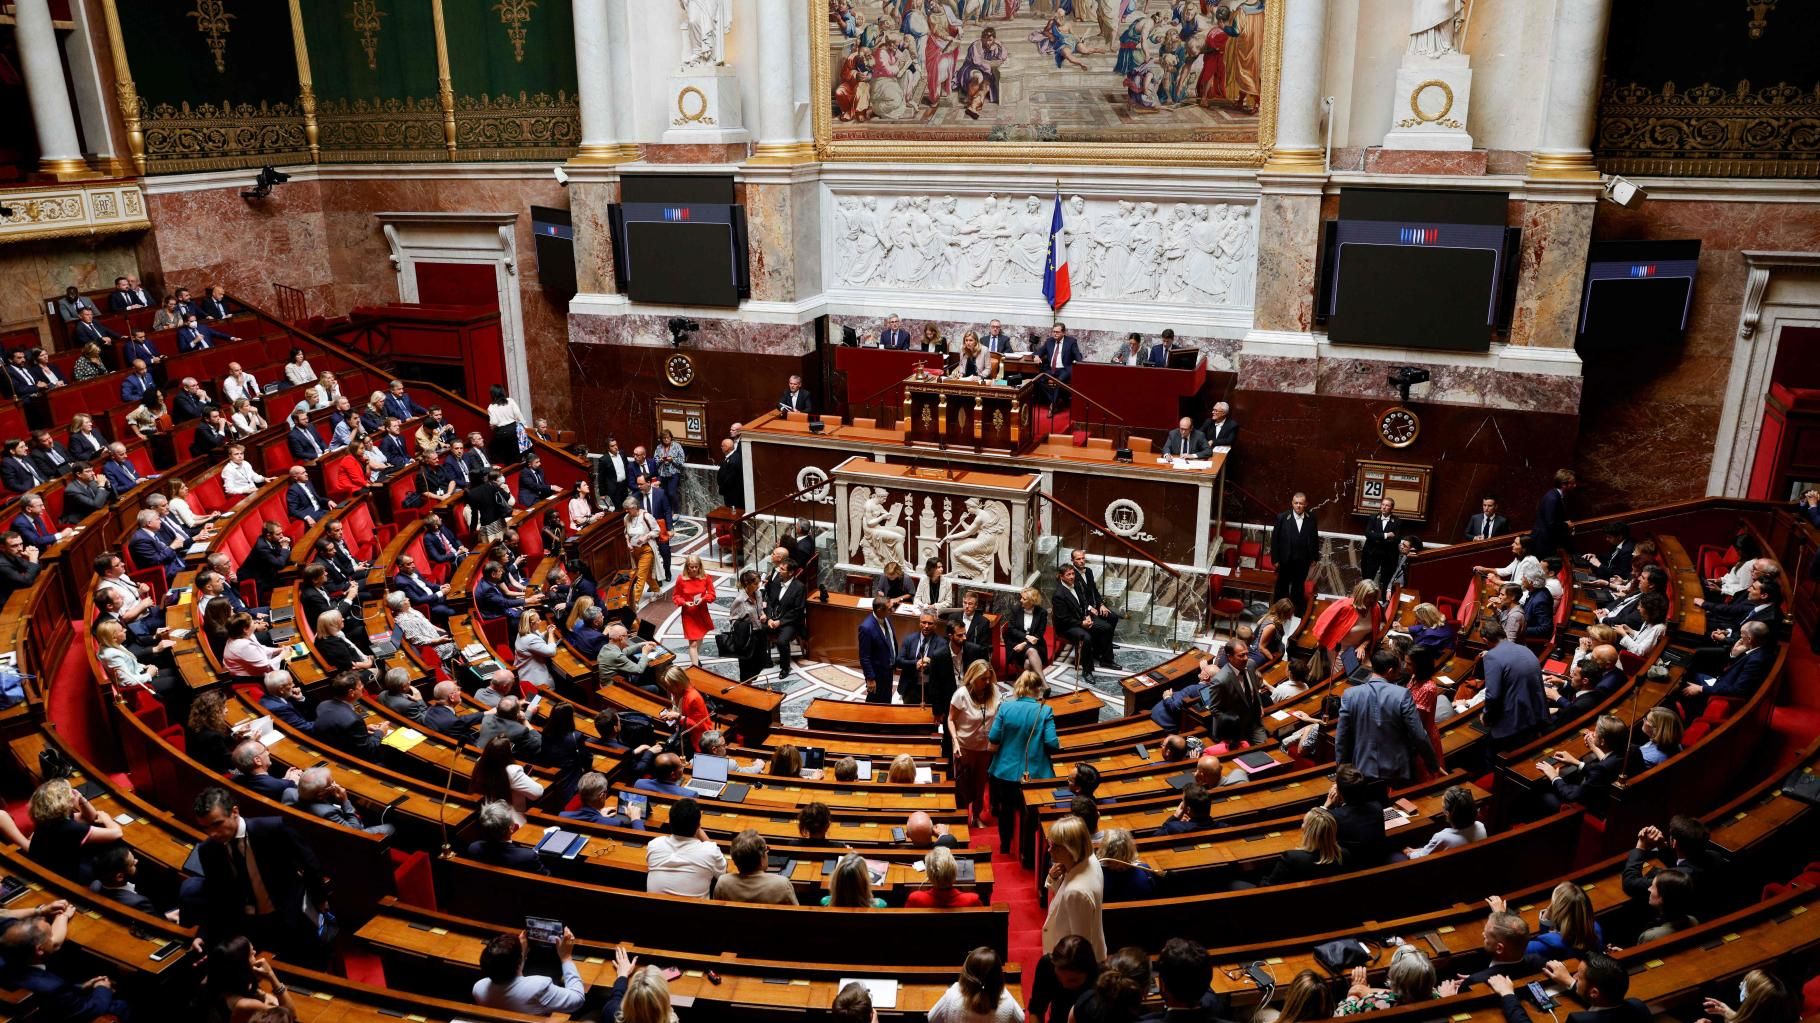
(262, 185)
(562, 176)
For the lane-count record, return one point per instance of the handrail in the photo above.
(1127, 544)
(793, 495)
(1064, 386)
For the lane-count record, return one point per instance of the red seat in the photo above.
(1228, 608)
(1718, 708)
(412, 878)
(1696, 732)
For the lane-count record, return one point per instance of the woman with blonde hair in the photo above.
(1350, 622)
(939, 872)
(1319, 854)
(1026, 630)
(1662, 726)
(980, 995)
(1023, 738)
(850, 886)
(535, 649)
(1304, 999)
(647, 998)
(902, 771)
(66, 830)
(1566, 928)
(688, 711)
(694, 594)
(336, 648)
(89, 366)
(123, 669)
(1076, 887)
(1432, 631)
(247, 419)
(1762, 998)
(970, 713)
(1271, 633)
(1128, 878)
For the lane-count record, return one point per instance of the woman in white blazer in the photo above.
(535, 648)
(1076, 886)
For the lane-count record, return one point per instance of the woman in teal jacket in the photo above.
(1022, 738)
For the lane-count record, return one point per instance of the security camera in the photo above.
(562, 176)
(1406, 377)
(680, 328)
(1624, 192)
(262, 185)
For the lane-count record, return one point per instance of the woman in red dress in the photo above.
(1426, 692)
(694, 593)
(688, 712)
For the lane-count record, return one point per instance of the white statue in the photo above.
(880, 538)
(1434, 26)
(981, 542)
(705, 32)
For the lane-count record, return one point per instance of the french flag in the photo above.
(1055, 273)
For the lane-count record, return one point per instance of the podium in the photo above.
(976, 417)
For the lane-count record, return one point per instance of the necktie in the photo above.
(1485, 534)
(1058, 355)
(258, 900)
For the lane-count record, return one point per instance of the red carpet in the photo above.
(1016, 886)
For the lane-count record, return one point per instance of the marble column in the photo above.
(1551, 266)
(777, 141)
(1575, 62)
(598, 82)
(1299, 145)
(41, 59)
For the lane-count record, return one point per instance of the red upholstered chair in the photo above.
(411, 878)
(497, 633)
(153, 576)
(1223, 607)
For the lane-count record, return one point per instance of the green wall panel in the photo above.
(513, 67)
(373, 63)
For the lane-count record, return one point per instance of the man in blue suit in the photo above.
(1749, 666)
(87, 330)
(148, 549)
(392, 445)
(135, 385)
(1380, 731)
(1515, 708)
(589, 634)
(253, 769)
(425, 595)
(29, 942)
(877, 651)
(142, 349)
(532, 486)
(1058, 356)
(439, 544)
(35, 526)
(305, 445)
(283, 700)
(894, 336)
(658, 504)
(301, 499)
(1538, 614)
(1551, 531)
(121, 474)
(196, 336)
(400, 405)
(491, 598)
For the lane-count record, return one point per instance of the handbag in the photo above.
(52, 764)
(1340, 956)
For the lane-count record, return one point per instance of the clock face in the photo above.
(1399, 427)
(679, 369)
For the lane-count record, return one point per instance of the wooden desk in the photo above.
(1143, 397)
(1074, 708)
(968, 415)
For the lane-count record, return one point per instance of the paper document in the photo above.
(883, 992)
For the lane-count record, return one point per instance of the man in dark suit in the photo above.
(877, 651)
(186, 306)
(253, 769)
(1186, 442)
(119, 469)
(137, 383)
(442, 714)
(1515, 707)
(915, 656)
(423, 594)
(84, 495)
(339, 723)
(125, 298)
(439, 544)
(142, 349)
(214, 305)
(301, 499)
(976, 641)
(17, 469)
(191, 402)
(20, 381)
(1221, 430)
(1687, 847)
(211, 434)
(894, 336)
(392, 445)
(400, 405)
(305, 445)
(475, 457)
(490, 597)
(1601, 984)
(996, 340)
(617, 474)
(1378, 555)
(1552, 531)
(270, 554)
(1295, 545)
(1087, 587)
(18, 564)
(495, 845)
(259, 880)
(283, 700)
(28, 944)
(87, 330)
(730, 476)
(1075, 622)
(34, 525)
(148, 548)
(532, 486)
(1487, 523)
(51, 458)
(1617, 563)
(196, 336)
(786, 605)
(1380, 732)
(796, 399)
(1058, 356)
(1751, 656)
(1762, 603)
(657, 502)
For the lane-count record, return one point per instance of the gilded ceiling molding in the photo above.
(383, 129)
(182, 138)
(1709, 131)
(72, 210)
(526, 126)
(306, 89)
(212, 20)
(515, 15)
(126, 95)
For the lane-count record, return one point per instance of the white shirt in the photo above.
(1641, 640)
(237, 387)
(525, 790)
(1513, 572)
(641, 530)
(299, 372)
(240, 478)
(534, 995)
(181, 509)
(1739, 578)
(969, 722)
(504, 415)
(682, 866)
(417, 629)
(248, 422)
(952, 1008)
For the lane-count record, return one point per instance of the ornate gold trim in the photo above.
(1415, 100)
(212, 20)
(1709, 131)
(782, 153)
(1562, 165)
(683, 116)
(66, 169)
(1218, 154)
(515, 15)
(126, 96)
(1297, 161)
(363, 16)
(522, 127)
(208, 137)
(599, 153)
(385, 129)
(445, 83)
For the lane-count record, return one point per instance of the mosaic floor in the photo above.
(812, 679)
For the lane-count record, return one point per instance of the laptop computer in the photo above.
(707, 776)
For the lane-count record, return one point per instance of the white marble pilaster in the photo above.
(1575, 63)
(41, 60)
(1299, 144)
(599, 70)
(777, 140)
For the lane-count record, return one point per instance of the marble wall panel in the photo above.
(717, 335)
(38, 270)
(588, 205)
(216, 237)
(1289, 232)
(1551, 272)
(772, 211)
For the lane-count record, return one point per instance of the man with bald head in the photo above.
(666, 777)
(500, 684)
(920, 832)
(1186, 442)
(730, 477)
(1207, 772)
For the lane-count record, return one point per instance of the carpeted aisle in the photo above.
(1017, 887)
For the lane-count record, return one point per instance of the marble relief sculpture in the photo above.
(980, 544)
(1192, 253)
(881, 538)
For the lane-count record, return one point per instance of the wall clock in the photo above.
(679, 369)
(1399, 427)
